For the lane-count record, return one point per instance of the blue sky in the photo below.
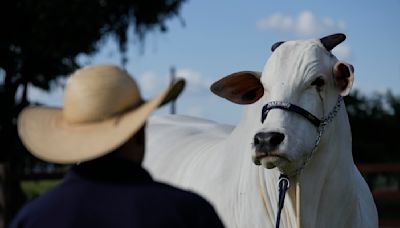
(222, 37)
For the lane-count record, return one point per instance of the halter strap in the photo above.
(289, 107)
(299, 110)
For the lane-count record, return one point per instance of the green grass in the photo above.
(34, 189)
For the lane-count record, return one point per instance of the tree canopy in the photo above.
(375, 124)
(40, 41)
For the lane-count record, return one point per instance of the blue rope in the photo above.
(283, 187)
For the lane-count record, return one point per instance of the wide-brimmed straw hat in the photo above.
(102, 109)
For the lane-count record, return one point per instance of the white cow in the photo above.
(215, 160)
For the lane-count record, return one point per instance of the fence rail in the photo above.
(387, 198)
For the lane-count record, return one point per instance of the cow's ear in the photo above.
(343, 74)
(242, 87)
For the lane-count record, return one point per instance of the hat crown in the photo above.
(99, 92)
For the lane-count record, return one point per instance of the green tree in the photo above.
(375, 124)
(40, 41)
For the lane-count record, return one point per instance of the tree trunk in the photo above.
(11, 195)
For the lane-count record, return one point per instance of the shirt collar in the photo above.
(111, 169)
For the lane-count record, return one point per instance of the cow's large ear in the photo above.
(242, 87)
(343, 74)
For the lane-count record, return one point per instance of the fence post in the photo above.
(173, 77)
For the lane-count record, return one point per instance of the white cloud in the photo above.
(195, 81)
(150, 82)
(277, 21)
(306, 24)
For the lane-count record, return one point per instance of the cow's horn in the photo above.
(332, 41)
(277, 44)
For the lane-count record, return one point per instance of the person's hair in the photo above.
(127, 151)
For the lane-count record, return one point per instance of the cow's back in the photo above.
(180, 149)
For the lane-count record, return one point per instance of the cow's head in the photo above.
(303, 73)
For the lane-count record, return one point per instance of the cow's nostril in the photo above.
(257, 139)
(276, 138)
(268, 139)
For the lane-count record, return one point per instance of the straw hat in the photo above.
(102, 110)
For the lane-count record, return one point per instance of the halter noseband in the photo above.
(289, 107)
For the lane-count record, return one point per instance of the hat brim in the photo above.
(49, 137)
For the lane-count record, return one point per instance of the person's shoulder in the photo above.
(39, 206)
(197, 209)
(27, 211)
(186, 198)
(179, 192)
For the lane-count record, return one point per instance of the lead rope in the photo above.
(283, 184)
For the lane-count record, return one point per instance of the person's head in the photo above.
(133, 149)
(103, 111)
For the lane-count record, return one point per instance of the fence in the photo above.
(384, 182)
(382, 178)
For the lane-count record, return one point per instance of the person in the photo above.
(101, 131)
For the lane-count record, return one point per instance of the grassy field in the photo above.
(33, 189)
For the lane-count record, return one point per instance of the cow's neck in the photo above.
(326, 187)
(326, 184)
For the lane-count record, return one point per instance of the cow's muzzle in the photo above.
(266, 142)
(266, 146)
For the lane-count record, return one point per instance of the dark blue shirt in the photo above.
(115, 193)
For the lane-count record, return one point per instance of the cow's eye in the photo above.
(319, 82)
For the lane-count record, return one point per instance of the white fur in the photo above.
(214, 160)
